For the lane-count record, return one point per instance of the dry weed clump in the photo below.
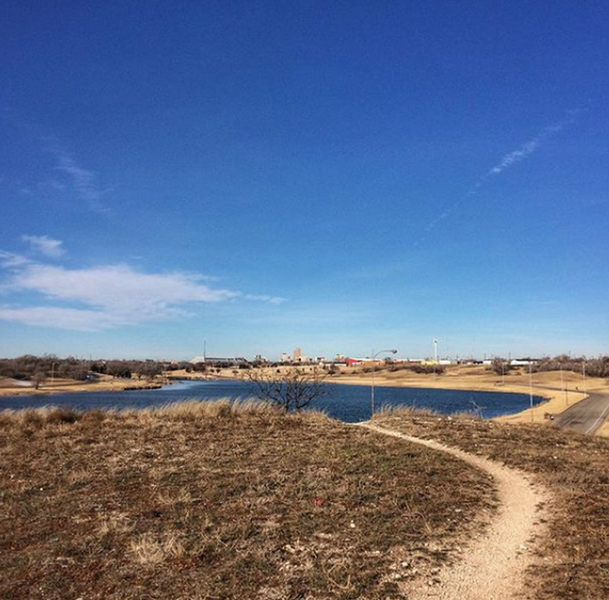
(221, 500)
(115, 524)
(573, 560)
(152, 550)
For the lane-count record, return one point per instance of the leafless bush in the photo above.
(293, 389)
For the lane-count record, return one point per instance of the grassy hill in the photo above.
(214, 500)
(222, 501)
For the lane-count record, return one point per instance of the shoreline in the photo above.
(559, 392)
(554, 399)
(68, 387)
(114, 385)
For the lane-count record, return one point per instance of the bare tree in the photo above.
(38, 379)
(500, 366)
(293, 389)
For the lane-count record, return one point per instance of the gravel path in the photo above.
(493, 566)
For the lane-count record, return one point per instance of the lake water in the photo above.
(350, 403)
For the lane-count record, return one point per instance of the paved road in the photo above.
(587, 415)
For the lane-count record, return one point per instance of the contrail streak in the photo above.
(510, 159)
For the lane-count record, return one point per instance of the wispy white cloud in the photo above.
(45, 245)
(74, 319)
(102, 297)
(10, 259)
(264, 298)
(51, 185)
(118, 288)
(84, 181)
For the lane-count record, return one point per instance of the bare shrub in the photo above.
(294, 389)
(60, 415)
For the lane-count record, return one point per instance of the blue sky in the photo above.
(338, 176)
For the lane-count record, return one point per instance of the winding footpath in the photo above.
(494, 564)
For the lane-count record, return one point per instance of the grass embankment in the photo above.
(573, 560)
(213, 500)
(604, 430)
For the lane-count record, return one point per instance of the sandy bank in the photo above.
(8, 388)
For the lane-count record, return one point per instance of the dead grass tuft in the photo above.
(60, 415)
(171, 497)
(115, 524)
(148, 549)
(224, 408)
(391, 410)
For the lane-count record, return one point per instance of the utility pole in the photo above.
(531, 387)
(562, 385)
(584, 375)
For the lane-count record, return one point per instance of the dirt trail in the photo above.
(493, 566)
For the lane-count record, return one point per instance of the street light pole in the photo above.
(374, 355)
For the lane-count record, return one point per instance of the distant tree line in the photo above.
(146, 369)
(37, 368)
(185, 365)
(415, 368)
(595, 367)
(30, 367)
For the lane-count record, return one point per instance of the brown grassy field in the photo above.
(213, 500)
(573, 559)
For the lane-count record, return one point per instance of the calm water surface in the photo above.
(350, 403)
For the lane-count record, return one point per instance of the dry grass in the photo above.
(573, 561)
(221, 500)
(604, 430)
(149, 549)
